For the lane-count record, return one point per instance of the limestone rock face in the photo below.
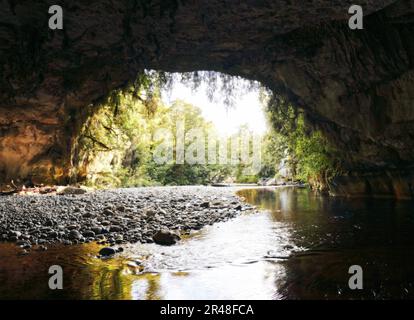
(382, 184)
(357, 86)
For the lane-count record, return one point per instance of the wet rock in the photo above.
(88, 215)
(166, 237)
(205, 204)
(104, 230)
(89, 234)
(24, 252)
(15, 234)
(115, 228)
(149, 215)
(100, 237)
(96, 230)
(21, 242)
(52, 235)
(49, 223)
(146, 211)
(108, 212)
(74, 235)
(107, 252)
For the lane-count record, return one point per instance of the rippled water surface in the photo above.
(299, 246)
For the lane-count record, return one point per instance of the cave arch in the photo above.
(356, 86)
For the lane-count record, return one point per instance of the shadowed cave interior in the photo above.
(354, 86)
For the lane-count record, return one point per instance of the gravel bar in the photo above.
(114, 216)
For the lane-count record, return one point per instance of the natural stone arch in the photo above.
(354, 85)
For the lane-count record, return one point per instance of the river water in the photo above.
(299, 246)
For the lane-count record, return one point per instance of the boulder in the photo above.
(107, 252)
(166, 237)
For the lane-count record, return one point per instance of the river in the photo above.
(298, 246)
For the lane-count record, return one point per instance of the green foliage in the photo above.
(117, 140)
(117, 143)
(222, 85)
(184, 174)
(312, 157)
(273, 147)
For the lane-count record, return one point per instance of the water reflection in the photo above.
(299, 246)
(337, 233)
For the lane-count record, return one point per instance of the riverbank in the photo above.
(114, 216)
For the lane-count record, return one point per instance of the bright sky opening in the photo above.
(247, 108)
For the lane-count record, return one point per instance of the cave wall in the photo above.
(357, 86)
